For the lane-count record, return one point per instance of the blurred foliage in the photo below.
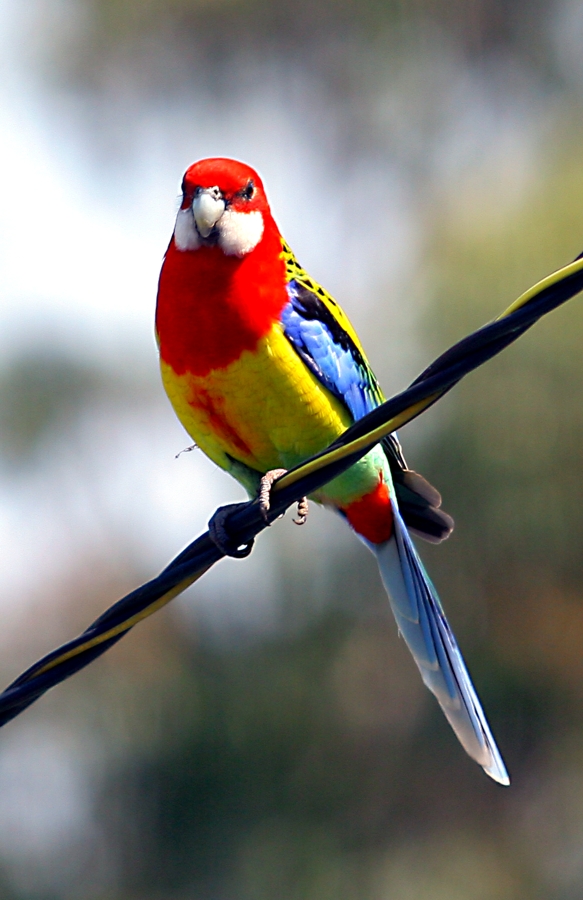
(343, 47)
(512, 453)
(277, 785)
(479, 24)
(310, 764)
(40, 394)
(44, 392)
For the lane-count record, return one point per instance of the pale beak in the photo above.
(207, 208)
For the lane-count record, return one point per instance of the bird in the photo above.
(264, 369)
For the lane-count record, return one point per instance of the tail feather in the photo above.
(422, 623)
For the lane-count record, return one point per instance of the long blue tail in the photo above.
(422, 623)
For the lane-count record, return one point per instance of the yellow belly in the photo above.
(264, 410)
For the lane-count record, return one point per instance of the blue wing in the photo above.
(319, 332)
(316, 329)
(329, 351)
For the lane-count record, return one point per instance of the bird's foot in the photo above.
(221, 537)
(303, 510)
(265, 486)
(265, 494)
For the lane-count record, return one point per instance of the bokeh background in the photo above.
(267, 737)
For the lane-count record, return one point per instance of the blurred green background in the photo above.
(267, 737)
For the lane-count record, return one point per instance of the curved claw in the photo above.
(265, 490)
(264, 497)
(303, 510)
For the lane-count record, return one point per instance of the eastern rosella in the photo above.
(263, 370)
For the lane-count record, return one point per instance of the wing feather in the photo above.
(327, 343)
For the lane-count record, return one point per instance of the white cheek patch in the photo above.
(239, 232)
(186, 237)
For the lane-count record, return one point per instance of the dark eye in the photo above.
(248, 191)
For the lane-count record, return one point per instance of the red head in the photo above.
(223, 204)
(222, 285)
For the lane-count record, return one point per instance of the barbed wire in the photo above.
(242, 522)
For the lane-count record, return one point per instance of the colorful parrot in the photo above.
(263, 370)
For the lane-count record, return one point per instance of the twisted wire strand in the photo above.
(246, 521)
